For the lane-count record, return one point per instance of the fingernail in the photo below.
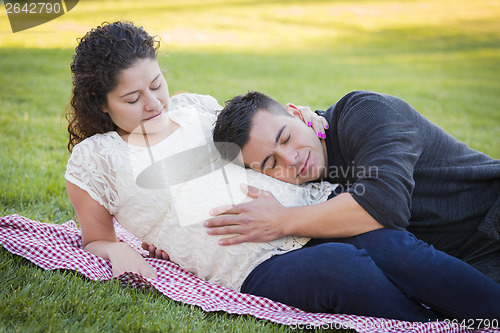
(326, 126)
(309, 123)
(319, 134)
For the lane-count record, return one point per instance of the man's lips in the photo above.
(306, 165)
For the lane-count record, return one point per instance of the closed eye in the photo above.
(274, 164)
(154, 88)
(133, 102)
(265, 166)
(275, 161)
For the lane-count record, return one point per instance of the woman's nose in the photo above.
(152, 103)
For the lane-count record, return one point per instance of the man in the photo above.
(354, 263)
(397, 169)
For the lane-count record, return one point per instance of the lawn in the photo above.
(443, 57)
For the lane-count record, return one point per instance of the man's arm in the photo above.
(264, 219)
(338, 217)
(380, 140)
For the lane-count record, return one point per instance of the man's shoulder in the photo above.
(364, 105)
(355, 97)
(343, 105)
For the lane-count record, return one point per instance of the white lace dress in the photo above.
(135, 185)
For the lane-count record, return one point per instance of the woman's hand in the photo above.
(310, 118)
(125, 259)
(154, 252)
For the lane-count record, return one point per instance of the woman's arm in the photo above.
(99, 238)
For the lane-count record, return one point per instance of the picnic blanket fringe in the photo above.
(54, 246)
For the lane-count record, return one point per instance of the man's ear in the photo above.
(293, 110)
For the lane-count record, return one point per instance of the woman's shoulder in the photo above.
(98, 154)
(92, 167)
(99, 143)
(185, 99)
(189, 110)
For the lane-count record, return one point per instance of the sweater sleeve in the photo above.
(377, 135)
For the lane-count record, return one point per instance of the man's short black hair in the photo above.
(234, 122)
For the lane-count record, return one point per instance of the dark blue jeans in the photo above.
(382, 273)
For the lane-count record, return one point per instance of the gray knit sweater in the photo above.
(409, 173)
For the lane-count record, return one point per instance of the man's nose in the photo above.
(289, 156)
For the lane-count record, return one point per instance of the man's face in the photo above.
(285, 148)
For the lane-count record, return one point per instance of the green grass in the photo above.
(443, 57)
(53, 301)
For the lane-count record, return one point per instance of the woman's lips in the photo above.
(155, 116)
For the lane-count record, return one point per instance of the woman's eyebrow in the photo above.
(130, 93)
(157, 76)
(133, 92)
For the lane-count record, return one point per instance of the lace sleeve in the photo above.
(89, 167)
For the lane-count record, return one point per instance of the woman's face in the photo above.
(140, 99)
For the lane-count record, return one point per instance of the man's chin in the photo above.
(294, 181)
(301, 180)
(311, 176)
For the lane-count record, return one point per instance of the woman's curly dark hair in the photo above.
(99, 58)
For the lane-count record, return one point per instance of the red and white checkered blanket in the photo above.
(53, 246)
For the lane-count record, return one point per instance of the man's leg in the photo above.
(445, 283)
(483, 254)
(333, 278)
